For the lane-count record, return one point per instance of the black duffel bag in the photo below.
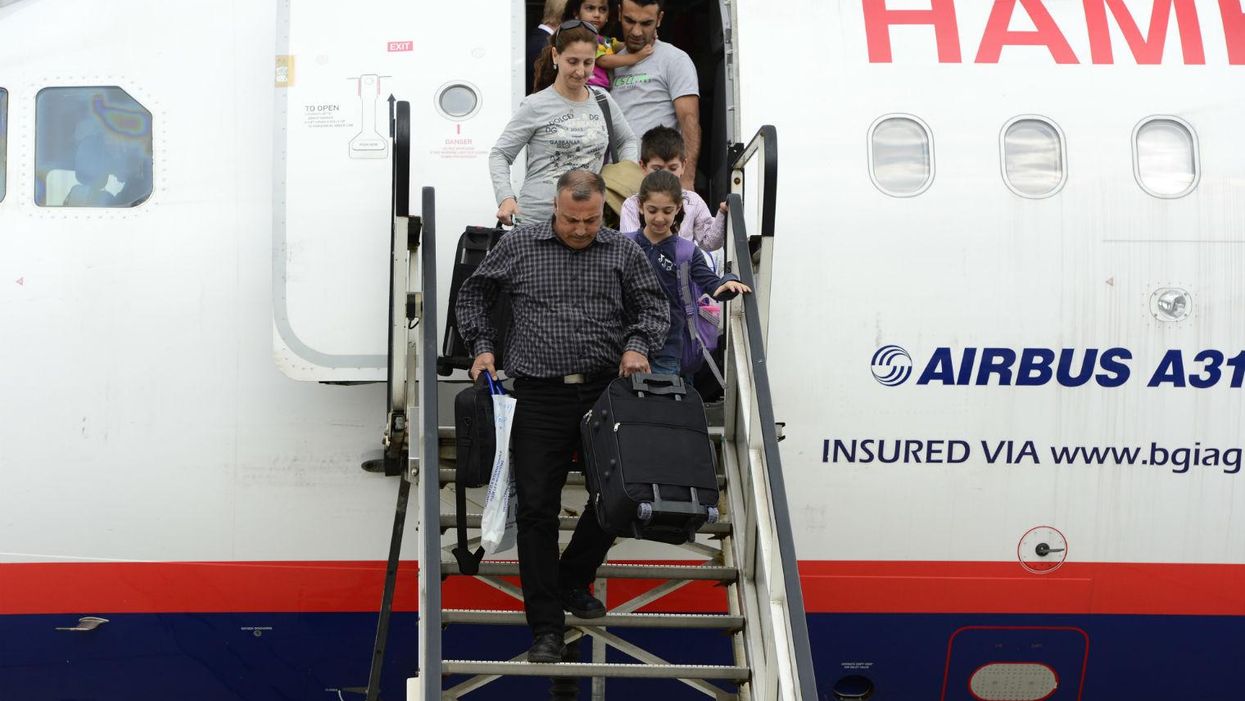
(475, 444)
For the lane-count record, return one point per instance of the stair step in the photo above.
(574, 479)
(713, 412)
(584, 669)
(711, 573)
(567, 523)
(612, 620)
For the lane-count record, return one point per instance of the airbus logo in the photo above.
(1067, 367)
(892, 366)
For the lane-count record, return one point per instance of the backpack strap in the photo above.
(468, 562)
(603, 102)
(691, 306)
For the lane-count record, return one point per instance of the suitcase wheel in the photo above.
(644, 512)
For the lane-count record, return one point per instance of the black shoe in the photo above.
(566, 688)
(582, 604)
(548, 648)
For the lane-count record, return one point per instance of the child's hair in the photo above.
(662, 142)
(544, 71)
(666, 183)
(609, 29)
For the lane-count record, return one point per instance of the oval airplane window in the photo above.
(458, 101)
(92, 148)
(901, 155)
(1033, 157)
(1013, 681)
(1165, 157)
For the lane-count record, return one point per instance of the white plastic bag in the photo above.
(498, 527)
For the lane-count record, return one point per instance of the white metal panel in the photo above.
(144, 418)
(970, 264)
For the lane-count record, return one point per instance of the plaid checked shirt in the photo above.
(574, 311)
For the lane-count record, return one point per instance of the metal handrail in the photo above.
(428, 451)
(417, 444)
(399, 233)
(765, 143)
(397, 424)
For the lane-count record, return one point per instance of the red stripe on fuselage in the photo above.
(829, 587)
(1005, 587)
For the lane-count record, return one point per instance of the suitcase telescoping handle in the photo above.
(645, 382)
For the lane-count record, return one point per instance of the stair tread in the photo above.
(587, 669)
(622, 620)
(573, 479)
(501, 568)
(567, 523)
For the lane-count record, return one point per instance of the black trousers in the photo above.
(544, 438)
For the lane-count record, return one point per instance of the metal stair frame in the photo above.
(772, 600)
(756, 557)
(599, 633)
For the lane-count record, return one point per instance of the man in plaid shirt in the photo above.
(587, 308)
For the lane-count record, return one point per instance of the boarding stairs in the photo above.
(749, 551)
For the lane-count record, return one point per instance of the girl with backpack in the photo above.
(684, 275)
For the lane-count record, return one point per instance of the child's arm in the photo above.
(724, 288)
(710, 231)
(612, 61)
(629, 219)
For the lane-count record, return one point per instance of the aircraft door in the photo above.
(336, 66)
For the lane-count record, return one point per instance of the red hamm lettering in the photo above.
(878, 21)
(1047, 32)
(1233, 30)
(1146, 49)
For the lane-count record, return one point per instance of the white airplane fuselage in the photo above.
(1003, 314)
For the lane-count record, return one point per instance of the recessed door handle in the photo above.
(87, 623)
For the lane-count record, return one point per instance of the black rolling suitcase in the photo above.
(648, 459)
(473, 245)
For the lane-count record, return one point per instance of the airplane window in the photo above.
(458, 101)
(1165, 158)
(92, 148)
(1033, 157)
(4, 140)
(901, 156)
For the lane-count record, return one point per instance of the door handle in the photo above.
(87, 623)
